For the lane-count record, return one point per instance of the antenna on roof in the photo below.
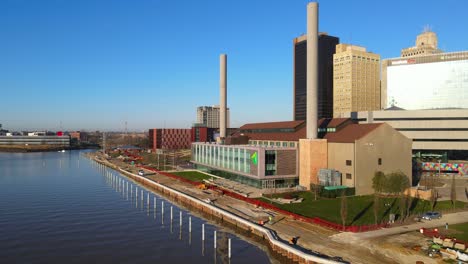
(427, 28)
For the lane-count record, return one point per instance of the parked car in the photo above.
(431, 215)
(141, 172)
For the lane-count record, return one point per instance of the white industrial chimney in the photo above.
(222, 95)
(312, 70)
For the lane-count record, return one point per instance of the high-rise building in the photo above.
(425, 78)
(426, 82)
(209, 116)
(426, 44)
(356, 80)
(326, 46)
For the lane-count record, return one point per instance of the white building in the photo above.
(426, 82)
(429, 129)
(209, 116)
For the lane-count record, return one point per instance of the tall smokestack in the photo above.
(223, 94)
(312, 69)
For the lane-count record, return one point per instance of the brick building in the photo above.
(169, 138)
(78, 135)
(356, 151)
(202, 133)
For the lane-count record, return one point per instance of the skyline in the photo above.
(104, 60)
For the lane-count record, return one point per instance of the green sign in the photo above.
(254, 158)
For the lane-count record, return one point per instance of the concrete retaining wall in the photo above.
(274, 242)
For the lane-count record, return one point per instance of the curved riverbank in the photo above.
(276, 244)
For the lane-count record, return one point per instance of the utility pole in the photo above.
(104, 142)
(126, 134)
(157, 152)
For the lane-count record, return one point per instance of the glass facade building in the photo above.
(327, 47)
(426, 82)
(258, 166)
(274, 143)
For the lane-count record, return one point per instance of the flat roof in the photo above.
(348, 130)
(427, 58)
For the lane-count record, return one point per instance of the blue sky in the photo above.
(94, 64)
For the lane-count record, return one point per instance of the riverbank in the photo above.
(312, 238)
(38, 148)
(275, 242)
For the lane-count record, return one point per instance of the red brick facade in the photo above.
(169, 138)
(202, 134)
(75, 135)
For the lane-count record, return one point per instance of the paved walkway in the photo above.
(454, 218)
(313, 237)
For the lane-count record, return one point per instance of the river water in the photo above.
(64, 208)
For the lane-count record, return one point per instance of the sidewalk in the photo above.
(454, 218)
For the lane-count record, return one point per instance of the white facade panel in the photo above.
(428, 85)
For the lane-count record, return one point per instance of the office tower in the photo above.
(426, 44)
(425, 78)
(209, 116)
(356, 80)
(326, 49)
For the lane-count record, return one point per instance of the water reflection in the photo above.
(120, 183)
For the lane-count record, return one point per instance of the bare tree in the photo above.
(403, 205)
(315, 190)
(344, 209)
(376, 207)
(453, 192)
(409, 202)
(434, 196)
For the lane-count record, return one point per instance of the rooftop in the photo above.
(343, 130)
(332, 122)
(351, 133)
(268, 125)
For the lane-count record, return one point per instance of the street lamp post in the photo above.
(439, 167)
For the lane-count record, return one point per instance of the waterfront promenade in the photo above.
(312, 238)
